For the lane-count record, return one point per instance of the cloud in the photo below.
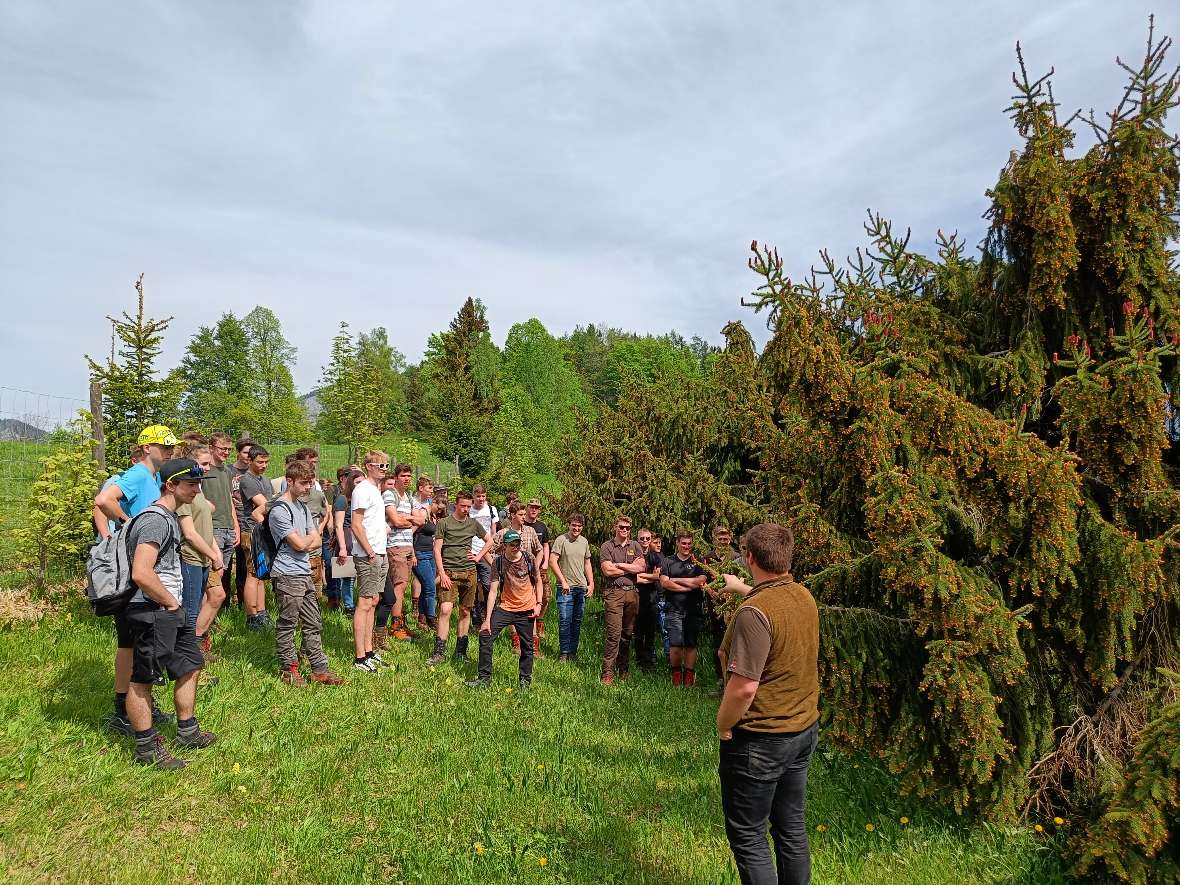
(378, 162)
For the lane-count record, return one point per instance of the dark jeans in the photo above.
(764, 778)
(570, 608)
(483, 574)
(194, 578)
(523, 622)
(647, 621)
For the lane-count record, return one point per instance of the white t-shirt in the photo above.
(485, 518)
(366, 497)
(404, 505)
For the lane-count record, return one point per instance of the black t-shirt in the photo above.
(541, 529)
(424, 537)
(675, 567)
(652, 561)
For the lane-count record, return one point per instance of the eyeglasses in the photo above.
(223, 449)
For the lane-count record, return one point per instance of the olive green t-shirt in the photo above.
(571, 558)
(202, 517)
(456, 538)
(218, 490)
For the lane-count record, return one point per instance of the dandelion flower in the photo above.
(541, 861)
(869, 828)
(540, 766)
(237, 768)
(904, 820)
(508, 690)
(821, 828)
(1059, 820)
(241, 789)
(479, 849)
(1039, 828)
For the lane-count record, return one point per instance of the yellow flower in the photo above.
(1059, 820)
(821, 828)
(508, 690)
(869, 828)
(540, 766)
(479, 849)
(237, 768)
(542, 861)
(904, 820)
(856, 765)
(241, 789)
(1039, 828)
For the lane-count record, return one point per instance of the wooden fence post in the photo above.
(100, 442)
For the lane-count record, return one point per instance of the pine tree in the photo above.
(354, 403)
(133, 394)
(975, 457)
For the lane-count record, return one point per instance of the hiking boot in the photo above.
(159, 717)
(399, 632)
(516, 643)
(482, 682)
(537, 646)
(326, 678)
(564, 658)
(207, 649)
(364, 665)
(432, 623)
(292, 676)
(150, 750)
(120, 724)
(461, 648)
(690, 678)
(423, 623)
(333, 604)
(194, 738)
(349, 611)
(524, 684)
(380, 637)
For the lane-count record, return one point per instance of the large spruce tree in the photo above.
(978, 457)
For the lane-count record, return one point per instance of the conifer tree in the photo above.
(134, 395)
(975, 456)
(354, 407)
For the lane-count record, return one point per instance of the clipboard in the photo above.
(345, 570)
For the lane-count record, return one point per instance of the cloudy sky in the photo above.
(377, 162)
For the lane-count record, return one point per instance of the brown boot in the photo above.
(398, 630)
(537, 646)
(291, 676)
(423, 624)
(380, 636)
(326, 678)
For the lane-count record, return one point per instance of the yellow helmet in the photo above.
(157, 435)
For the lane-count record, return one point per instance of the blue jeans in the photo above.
(424, 571)
(337, 588)
(663, 607)
(570, 607)
(194, 578)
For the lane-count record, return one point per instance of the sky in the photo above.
(378, 162)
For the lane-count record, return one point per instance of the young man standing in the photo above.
(769, 712)
(219, 489)
(648, 618)
(296, 534)
(423, 571)
(682, 580)
(369, 538)
(240, 466)
(621, 561)
(402, 519)
(486, 515)
(255, 491)
(514, 572)
(162, 638)
(532, 519)
(456, 567)
(132, 493)
(571, 566)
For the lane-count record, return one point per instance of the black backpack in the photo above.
(262, 543)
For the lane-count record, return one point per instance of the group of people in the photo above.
(192, 520)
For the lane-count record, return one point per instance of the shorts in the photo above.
(223, 540)
(683, 623)
(248, 551)
(370, 575)
(162, 642)
(401, 561)
(463, 584)
(123, 631)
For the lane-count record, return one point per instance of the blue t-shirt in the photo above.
(141, 489)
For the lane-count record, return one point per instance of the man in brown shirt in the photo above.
(621, 561)
(768, 719)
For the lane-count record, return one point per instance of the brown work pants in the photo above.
(622, 607)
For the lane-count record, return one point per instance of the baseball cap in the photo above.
(511, 537)
(181, 468)
(157, 435)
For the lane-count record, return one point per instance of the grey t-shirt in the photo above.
(288, 561)
(158, 525)
(249, 486)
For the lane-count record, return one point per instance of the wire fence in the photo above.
(34, 426)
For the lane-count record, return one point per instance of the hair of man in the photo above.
(684, 533)
(771, 546)
(300, 470)
(305, 454)
(479, 488)
(622, 520)
(257, 451)
(290, 459)
(424, 481)
(193, 436)
(575, 517)
(192, 448)
(244, 443)
(464, 496)
(376, 456)
(514, 508)
(220, 437)
(399, 469)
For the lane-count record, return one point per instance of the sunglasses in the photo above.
(380, 466)
(193, 472)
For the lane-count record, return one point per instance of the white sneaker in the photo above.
(366, 666)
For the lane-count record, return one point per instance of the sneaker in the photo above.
(364, 665)
(326, 678)
(378, 660)
(564, 658)
(120, 724)
(524, 684)
(349, 612)
(196, 740)
(152, 751)
(292, 676)
(478, 683)
(160, 679)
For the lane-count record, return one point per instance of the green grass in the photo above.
(396, 777)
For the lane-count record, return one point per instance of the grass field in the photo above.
(408, 776)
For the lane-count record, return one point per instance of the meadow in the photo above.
(409, 776)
